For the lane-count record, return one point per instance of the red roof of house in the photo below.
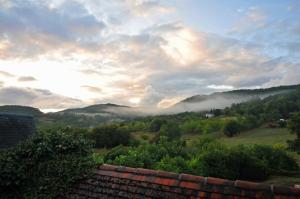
(125, 182)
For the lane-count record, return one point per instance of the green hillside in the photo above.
(23, 110)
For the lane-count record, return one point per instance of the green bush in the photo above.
(170, 130)
(276, 159)
(234, 163)
(110, 136)
(294, 127)
(192, 127)
(114, 153)
(156, 124)
(231, 128)
(176, 164)
(148, 155)
(44, 166)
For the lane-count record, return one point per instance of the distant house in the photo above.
(14, 129)
(209, 115)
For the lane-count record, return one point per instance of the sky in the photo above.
(58, 54)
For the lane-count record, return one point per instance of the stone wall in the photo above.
(15, 128)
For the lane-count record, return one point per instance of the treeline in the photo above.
(232, 120)
(205, 157)
(269, 109)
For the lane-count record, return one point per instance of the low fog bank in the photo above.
(192, 104)
(215, 101)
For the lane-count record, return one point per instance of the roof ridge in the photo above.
(203, 181)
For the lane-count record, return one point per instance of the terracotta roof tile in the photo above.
(189, 185)
(192, 178)
(218, 181)
(125, 182)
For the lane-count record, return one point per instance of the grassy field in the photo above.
(262, 135)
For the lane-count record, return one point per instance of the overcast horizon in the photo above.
(58, 54)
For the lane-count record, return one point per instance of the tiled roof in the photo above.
(124, 182)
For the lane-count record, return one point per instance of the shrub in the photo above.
(191, 127)
(156, 124)
(231, 128)
(44, 166)
(235, 163)
(148, 155)
(170, 130)
(176, 164)
(275, 158)
(114, 153)
(110, 136)
(294, 127)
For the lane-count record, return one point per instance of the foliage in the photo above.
(175, 164)
(231, 128)
(156, 124)
(170, 130)
(205, 157)
(276, 158)
(110, 136)
(191, 127)
(294, 127)
(148, 155)
(233, 163)
(294, 124)
(269, 109)
(44, 166)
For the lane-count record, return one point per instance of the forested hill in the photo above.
(23, 110)
(80, 117)
(100, 109)
(105, 113)
(220, 100)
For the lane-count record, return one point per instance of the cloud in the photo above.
(136, 49)
(40, 98)
(168, 102)
(26, 79)
(89, 71)
(220, 87)
(147, 7)
(170, 60)
(254, 18)
(92, 89)
(31, 28)
(6, 74)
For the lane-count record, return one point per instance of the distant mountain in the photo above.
(97, 109)
(89, 116)
(22, 110)
(219, 100)
(93, 115)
